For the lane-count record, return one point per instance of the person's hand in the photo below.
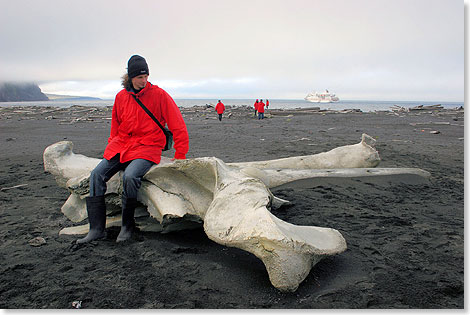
(173, 159)
(178, 156)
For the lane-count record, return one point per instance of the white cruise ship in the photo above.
(325, 97)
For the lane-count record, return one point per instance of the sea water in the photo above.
(365, 105)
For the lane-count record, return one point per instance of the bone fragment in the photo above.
(276, 177)
(83, 229)
(362, 154)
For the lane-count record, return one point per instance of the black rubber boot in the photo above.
(96, 208)
(128, 222)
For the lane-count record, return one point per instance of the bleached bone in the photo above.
(60, 161)
(277, 177)
(362, 154)
(232, 200)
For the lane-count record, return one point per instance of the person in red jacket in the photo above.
(260, 110)
(267, 104)
(256, 107)
(134, 145)
(220, 108)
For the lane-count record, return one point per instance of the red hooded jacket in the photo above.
(261, 107)
(135, 135)
(220, 108)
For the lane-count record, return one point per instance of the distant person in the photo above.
(256, 107)
(267, 104)
(134, 145)
(260, 110)
(220, 108)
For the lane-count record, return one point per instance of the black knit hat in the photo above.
(137, 66)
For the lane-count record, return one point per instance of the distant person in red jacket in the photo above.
(256, 107)
(134, 145)
(220, 108)
(267, 104)
(260, 110)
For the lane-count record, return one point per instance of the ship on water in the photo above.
(325, 97)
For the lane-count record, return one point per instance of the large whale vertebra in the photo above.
(231, 200)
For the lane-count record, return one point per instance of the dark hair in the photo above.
(126, 82)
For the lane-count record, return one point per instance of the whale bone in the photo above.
(231, 200)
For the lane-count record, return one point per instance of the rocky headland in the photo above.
(21, 92)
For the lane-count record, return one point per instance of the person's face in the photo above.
(140, 81)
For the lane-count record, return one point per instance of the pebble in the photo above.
(37, 241)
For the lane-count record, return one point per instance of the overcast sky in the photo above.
(358, 49)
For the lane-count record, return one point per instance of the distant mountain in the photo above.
(56, 97)
(21, 92)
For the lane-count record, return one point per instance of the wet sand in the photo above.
(405, 235)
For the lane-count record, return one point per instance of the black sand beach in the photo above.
(405, 235)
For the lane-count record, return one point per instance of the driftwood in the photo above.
(427, 107)
(13, 187)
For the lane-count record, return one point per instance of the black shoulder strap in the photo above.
(149, 113)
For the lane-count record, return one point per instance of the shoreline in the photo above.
(276, 105)
(240, 108)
